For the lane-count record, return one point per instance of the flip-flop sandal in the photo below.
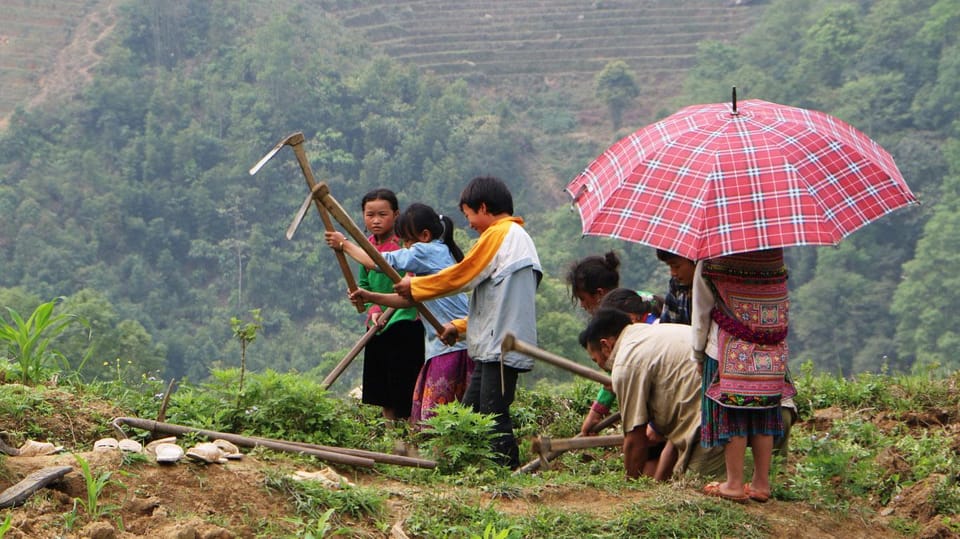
(754, 495)
(151, 448)
(228, 449)
(130, 446)
(168, 453)
(105, 444)
(33, 448)
(206, 452)
(713, 489)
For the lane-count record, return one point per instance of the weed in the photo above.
(320, 527)
(491, 532)
(451, 515)
(457, 438)
(70, 518)
(6, 525)
(313, 499)
(246, 334)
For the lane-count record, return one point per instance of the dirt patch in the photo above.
(190, 499)
(149, 499)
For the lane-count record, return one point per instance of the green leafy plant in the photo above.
(457, 437)
(246, 333)
(320, 527)
(491, 532)
(70, 517)
(28, 341)
(95, 485)
(6, 525)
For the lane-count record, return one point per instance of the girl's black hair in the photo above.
(380, 194)
(593, 272)
(631, 302)
(418, 217)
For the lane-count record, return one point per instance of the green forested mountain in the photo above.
(133, 199)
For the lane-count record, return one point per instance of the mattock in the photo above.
(321, 193)
(295, 141)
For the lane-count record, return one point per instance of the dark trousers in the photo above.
(484, 396)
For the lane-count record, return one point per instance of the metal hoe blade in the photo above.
(301, 213)
(256, 168)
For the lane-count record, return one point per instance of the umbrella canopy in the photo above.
(712, 180)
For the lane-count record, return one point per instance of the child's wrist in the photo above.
(600, 409)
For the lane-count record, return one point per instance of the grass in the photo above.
(880, 446)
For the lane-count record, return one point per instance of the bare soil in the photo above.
(197, 500)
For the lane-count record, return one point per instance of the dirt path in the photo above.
(71, 71)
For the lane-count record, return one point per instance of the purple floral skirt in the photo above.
(442, 379)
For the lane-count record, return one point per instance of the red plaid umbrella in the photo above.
(712, 180)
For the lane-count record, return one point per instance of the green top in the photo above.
(377, 281)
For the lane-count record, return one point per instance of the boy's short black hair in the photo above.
(666, 256)
(490, 191)
(605, 324)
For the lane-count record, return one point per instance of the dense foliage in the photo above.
(133, 199)
(884, 297)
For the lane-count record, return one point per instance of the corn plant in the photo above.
(28, 341)
(95, 485)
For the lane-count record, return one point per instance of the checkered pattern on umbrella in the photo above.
(705, 182)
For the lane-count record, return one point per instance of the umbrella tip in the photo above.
(734, 97)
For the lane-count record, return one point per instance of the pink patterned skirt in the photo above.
(442, 379)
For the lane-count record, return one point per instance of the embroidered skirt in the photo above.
(442, 379)
(719, 423)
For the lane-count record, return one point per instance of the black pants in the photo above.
(484, 396)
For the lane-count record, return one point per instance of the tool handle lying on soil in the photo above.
(347, 359)
(535, 464)
(322, 193)
(545, 444)
(355, 457)
(18, 494)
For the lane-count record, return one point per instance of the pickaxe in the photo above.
(552, 452)
(321, 193)
(295, 141)
(549, 448)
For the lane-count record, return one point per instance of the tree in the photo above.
(930, 290)
(616, 86)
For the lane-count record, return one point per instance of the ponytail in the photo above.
(446, 235)
(418, 217)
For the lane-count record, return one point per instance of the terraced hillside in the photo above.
(47, 47)
(564, 40)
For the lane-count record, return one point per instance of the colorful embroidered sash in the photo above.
(752, 313)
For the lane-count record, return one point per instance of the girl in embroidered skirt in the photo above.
(429, 247)
(740, 318)
(393, 358)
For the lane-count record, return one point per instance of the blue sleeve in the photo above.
(414, 259)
